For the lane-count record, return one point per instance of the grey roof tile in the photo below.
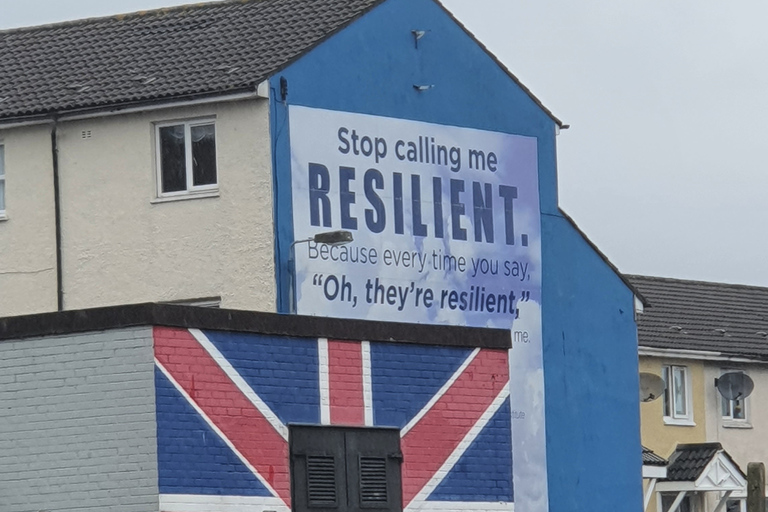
(651, 459)
(694, 315)
(168, 54)
(689, 461)
(193, 50)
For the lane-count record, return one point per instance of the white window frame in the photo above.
(191, 190)
(672, 417)
(3, 215)
(729, 420)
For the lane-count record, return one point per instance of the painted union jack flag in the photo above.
(224, 402)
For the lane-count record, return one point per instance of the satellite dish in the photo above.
(651, 387)
(734, 385)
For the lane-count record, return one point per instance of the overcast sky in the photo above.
(664, 164)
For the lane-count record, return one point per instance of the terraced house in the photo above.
(692, 334)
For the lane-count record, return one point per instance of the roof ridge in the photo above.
(695, 281)
(192, 5)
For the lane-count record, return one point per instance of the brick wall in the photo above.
(77, 423)
(225, 401)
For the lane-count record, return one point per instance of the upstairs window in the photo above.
(186, 157)
(2, 181)
(733, 410)
(336, 469)
(677, 399)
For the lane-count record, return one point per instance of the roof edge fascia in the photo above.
(127, 108)
(704, 355)
(169, 315)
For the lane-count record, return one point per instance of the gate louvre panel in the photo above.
(373, 470)
(317, 469)
(345, 469)
(373, 480)
(321, 481)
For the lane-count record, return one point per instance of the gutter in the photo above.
(702, 355)
(129, 108)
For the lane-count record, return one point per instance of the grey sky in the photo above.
(664, 165)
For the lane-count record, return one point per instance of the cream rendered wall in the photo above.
(28, 236)
(661, 437)
(121, 245)
(744, 441)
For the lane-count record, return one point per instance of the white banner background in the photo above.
(381, 178)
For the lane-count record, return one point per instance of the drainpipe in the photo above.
(57, 213)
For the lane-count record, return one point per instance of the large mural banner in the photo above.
(446, 227)
(445, 220)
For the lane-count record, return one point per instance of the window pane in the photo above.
(2, 194)
(726, 406)
(2, 160)
(203, 155)
(667, 395)
(679, 391)
(173, 158)
(738, 409)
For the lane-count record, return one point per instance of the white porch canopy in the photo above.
(720, 474)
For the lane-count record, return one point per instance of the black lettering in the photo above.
(419, 228)
(509, 194)
(346, 197)
(483, 208)
(375, 218)
(345, 148)
(319, 187)
(479, 159)
(457, 210)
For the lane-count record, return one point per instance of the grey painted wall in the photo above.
(77, 423)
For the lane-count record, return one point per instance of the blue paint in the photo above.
(282, 371)
(191, 457)
(371, 68)
(484, 471)
(405, 377)
(590, 376)
(589, 335)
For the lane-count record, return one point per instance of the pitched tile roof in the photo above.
(694, 315)
(186, 51)
(651, 459)
(182, 52)
(689, 461)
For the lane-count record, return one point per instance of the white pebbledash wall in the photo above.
(27, 236)
(120, 244)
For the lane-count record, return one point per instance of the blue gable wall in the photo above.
(591, 377)
(590, 351)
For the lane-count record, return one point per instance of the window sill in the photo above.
(736, 424)
(185, 197)
(3, 216)
(679, 422)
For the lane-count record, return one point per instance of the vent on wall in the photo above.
(373, 480)
(321, 480)
(86, 134)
